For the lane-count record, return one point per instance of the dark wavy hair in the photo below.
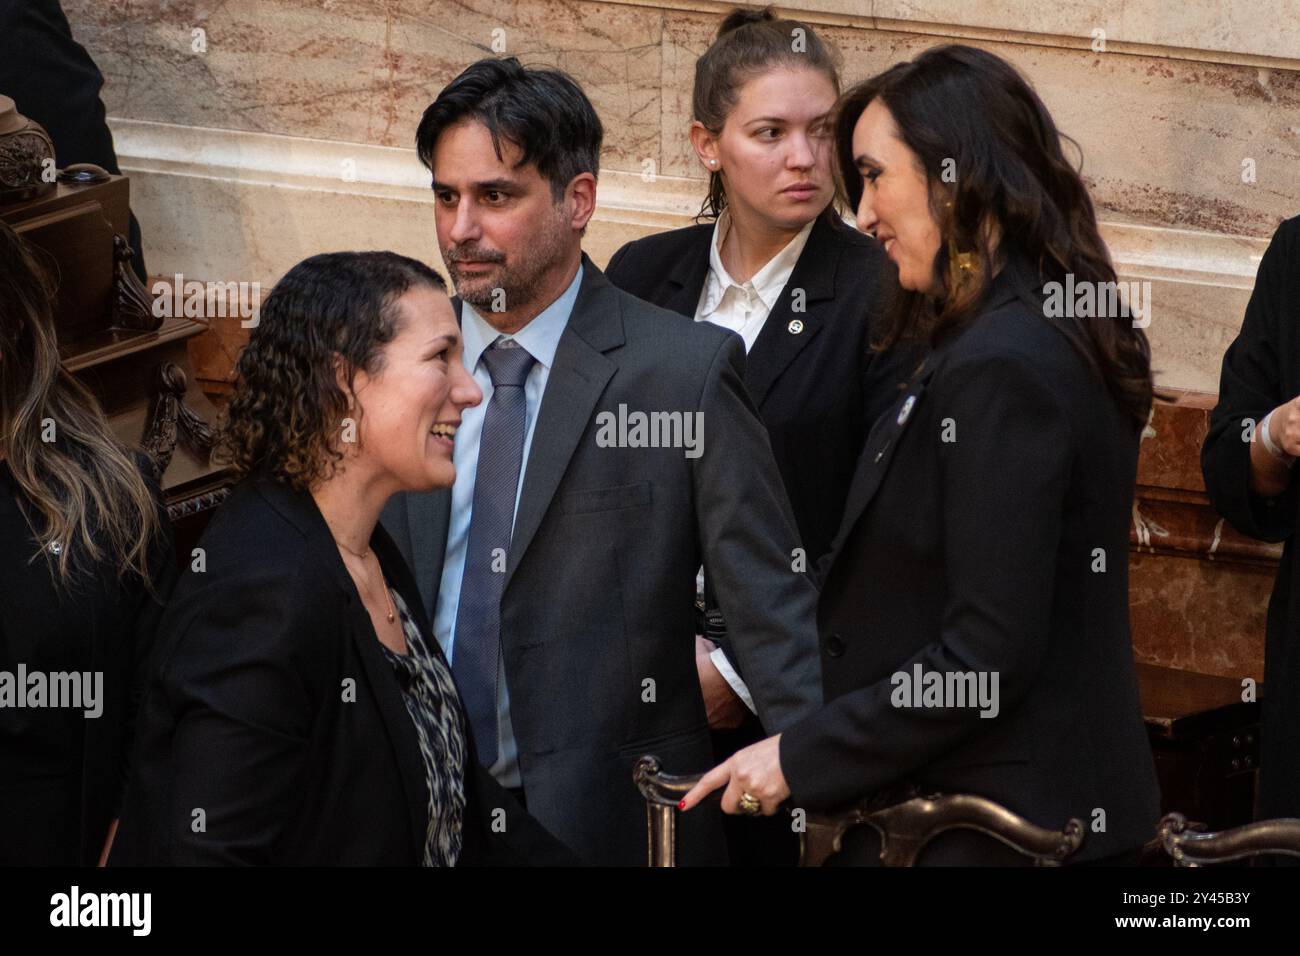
(83, 493)
(542, 112)
(959, 105)
(749, 43)
(288, 409)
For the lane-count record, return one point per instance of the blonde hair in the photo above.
(93, 504)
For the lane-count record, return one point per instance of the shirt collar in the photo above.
(540, 337)
(767, 281)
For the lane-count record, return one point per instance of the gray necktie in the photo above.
(476, 655)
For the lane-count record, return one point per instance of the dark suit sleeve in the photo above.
(1249, 388)
(748, 538)
(615, 261)
(239, 685)
(1004, 481)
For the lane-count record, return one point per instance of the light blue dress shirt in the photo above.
(540, 337)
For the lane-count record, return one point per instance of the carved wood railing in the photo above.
(1188, 844)
(905, 827)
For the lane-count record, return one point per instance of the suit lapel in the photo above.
(1018, 278)
(301, 509)
(690, 266)
(877, 455)
(397, 721)
(788, 330)
(575, 383)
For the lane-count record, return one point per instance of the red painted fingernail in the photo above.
(681, 804)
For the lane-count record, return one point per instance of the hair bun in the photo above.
(743, 16)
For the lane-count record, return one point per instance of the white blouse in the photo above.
(743, 307)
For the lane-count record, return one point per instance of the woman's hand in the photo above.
(755, 770)
(1269, 474)
(1284, 427)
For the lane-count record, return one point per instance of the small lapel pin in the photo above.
(795, 326)
(906, 409)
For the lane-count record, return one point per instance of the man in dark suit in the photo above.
(616, 449)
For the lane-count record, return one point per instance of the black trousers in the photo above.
(754, 841)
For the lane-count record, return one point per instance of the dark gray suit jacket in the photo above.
(596, 617)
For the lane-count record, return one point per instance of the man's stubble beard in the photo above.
(519, 282)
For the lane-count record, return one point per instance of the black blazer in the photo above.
(62, 775)
(1261, 370)
(275, 728)
(973, 540)
(817, 390)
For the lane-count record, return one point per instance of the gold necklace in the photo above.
(392, 609)
(360, 554)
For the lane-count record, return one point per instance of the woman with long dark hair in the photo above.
(300, 712)
(985, 539)
(85, 564)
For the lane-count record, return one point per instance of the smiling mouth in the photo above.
(444, 431)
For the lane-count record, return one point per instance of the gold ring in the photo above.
(749, 804)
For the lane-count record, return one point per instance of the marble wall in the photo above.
(259, 131)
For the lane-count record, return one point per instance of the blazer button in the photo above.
(833, 646)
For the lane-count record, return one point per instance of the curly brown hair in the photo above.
(288, 411)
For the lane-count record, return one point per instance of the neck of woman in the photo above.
(350, 506)
(751, 243)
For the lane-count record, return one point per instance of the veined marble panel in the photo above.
(1164, 141)
(1260, 31)
(360, 70)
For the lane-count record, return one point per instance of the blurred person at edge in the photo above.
(1248, 460)
(971, 536)
(85, 565)
(805, 292)
(299, 712)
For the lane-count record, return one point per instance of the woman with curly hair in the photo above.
(85, 563)
(299, 713)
